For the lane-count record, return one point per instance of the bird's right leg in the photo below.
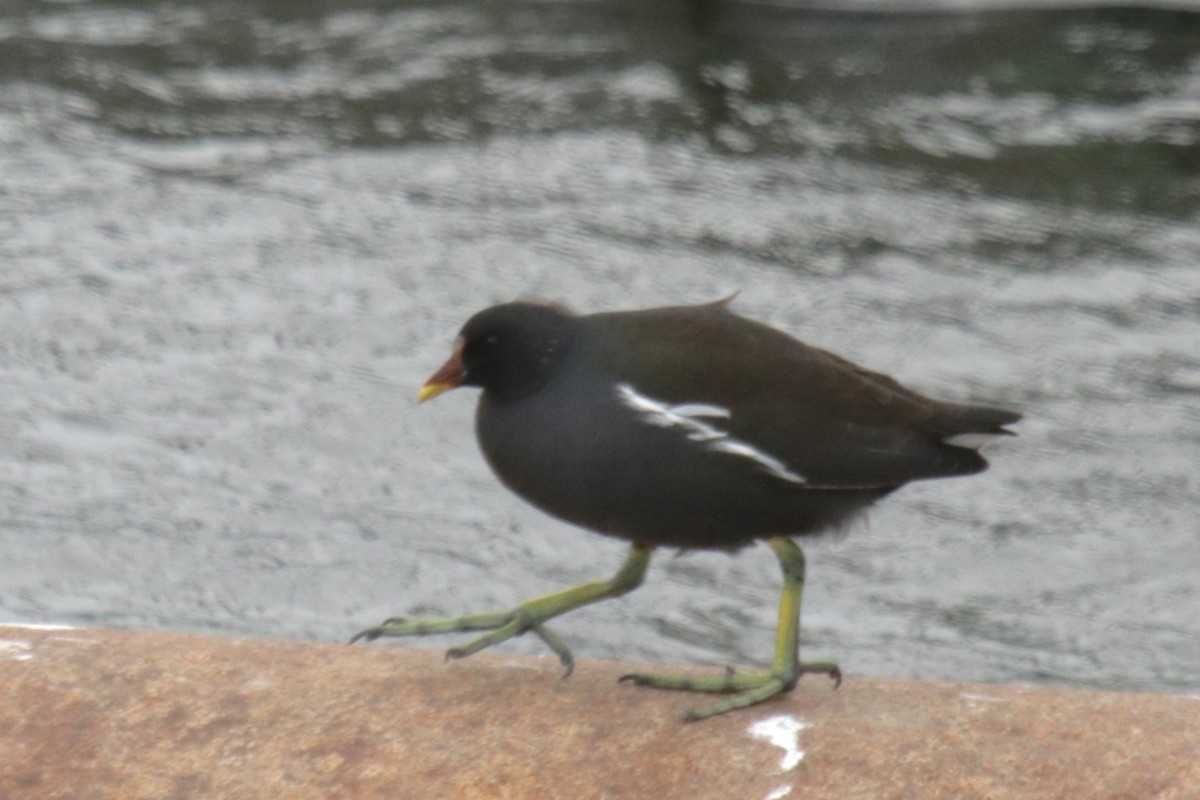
(528, 616)
(750, 687)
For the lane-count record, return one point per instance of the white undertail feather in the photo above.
(689, 418)
(972, 441)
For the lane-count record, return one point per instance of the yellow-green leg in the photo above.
(529, 616)
(752, 687)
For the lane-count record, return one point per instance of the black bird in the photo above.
(688, 427)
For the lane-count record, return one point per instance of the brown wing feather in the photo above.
(837, 424)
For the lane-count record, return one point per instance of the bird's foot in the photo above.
(500, 626)
(744, 688)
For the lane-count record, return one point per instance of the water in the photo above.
(237, 237)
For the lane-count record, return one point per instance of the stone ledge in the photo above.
(119, 714)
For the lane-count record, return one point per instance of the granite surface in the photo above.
(92, 714)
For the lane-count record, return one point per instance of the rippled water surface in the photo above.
(235, 237)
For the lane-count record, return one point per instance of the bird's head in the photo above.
(507, 350)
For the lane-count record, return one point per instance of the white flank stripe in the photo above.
(773, 464)
(685, 416)
(701, 410)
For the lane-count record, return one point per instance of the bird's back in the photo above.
(838, 423)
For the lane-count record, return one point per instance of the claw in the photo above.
(823, 668)
(370, 635)
(558, 645)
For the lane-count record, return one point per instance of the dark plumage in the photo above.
(691, 427)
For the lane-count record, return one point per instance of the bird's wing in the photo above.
(801, 412)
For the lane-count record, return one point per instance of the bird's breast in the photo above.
(605, 459)
(562, 451)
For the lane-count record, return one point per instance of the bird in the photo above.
(695, 428)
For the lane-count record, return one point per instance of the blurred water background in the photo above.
(235, 237)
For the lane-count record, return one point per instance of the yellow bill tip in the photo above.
(450, 374)
(432, 390)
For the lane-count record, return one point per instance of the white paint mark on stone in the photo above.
(538, 664)
(13, 650)
(982, 698)
(73, 640)
(689, 418)
(783, 731)
(37, 626)
(779, 793)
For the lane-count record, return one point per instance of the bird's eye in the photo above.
(489, 340)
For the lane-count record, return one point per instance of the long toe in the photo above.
(821, 668)
(744, 688)
(368, 635)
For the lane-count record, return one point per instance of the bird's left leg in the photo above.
(528, 616)
(750, 687)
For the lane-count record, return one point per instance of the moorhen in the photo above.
(688, 427)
